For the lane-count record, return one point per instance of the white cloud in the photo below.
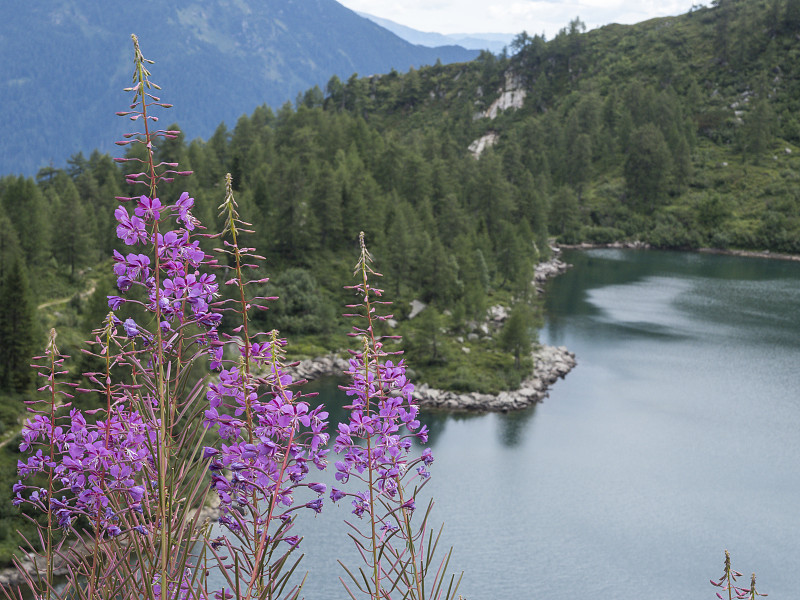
(534, 16)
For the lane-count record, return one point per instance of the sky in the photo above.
(514, 16)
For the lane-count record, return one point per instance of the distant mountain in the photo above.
(65, 63)
(494, 42)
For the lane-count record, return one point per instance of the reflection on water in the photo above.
(513, 427)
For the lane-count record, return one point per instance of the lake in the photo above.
(676, 436)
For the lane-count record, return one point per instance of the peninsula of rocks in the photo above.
(550, 364)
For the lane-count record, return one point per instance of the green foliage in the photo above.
(485, 368)
(301, 307)
(519, 332)
(18, 330)
(647, 167)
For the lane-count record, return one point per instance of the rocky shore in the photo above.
(550, 364)
(634, 245)
(550, 268)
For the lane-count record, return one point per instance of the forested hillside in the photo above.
(680, 132)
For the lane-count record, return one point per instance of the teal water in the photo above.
(676, 437)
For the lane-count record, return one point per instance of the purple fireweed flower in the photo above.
(292, 540)
(183, 205)
(361, 504)
(134, 266)
(124, 283)
(113, 531)
(131, 329)
(148, 209)
(319, 488)
(315, 505)
(130, 230)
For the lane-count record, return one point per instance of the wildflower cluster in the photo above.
(97, 464)
(373, 439)
(127, 477)
(270, 436)
(175, 289)
(269, 455)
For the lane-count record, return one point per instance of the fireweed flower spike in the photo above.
(376, 445)
(727, 583)
(269, 435)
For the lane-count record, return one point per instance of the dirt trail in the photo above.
(83, 295)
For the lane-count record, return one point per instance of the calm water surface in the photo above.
(676, 437)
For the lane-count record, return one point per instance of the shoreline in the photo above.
(637, 245)
(751, 254)
(550, 364)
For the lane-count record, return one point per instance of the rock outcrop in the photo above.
(550, 268)
(512, 95)
(550, 364)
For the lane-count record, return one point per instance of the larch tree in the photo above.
(17, 330)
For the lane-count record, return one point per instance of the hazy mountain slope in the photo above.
(65, 63)
(494, 42)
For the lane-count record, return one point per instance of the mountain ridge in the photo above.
(494, 42)
(73, 58)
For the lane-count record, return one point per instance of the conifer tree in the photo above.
(9, 246)
(23, 203)
(648, 164)
(17, 330)
(519, 332)
(791, 16)
(72, 244)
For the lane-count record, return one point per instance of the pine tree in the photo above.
(519, 332)
(9, 246)
(17, 330)
(73, 242)
(791, 16)
(23, 203)
(647, 167)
